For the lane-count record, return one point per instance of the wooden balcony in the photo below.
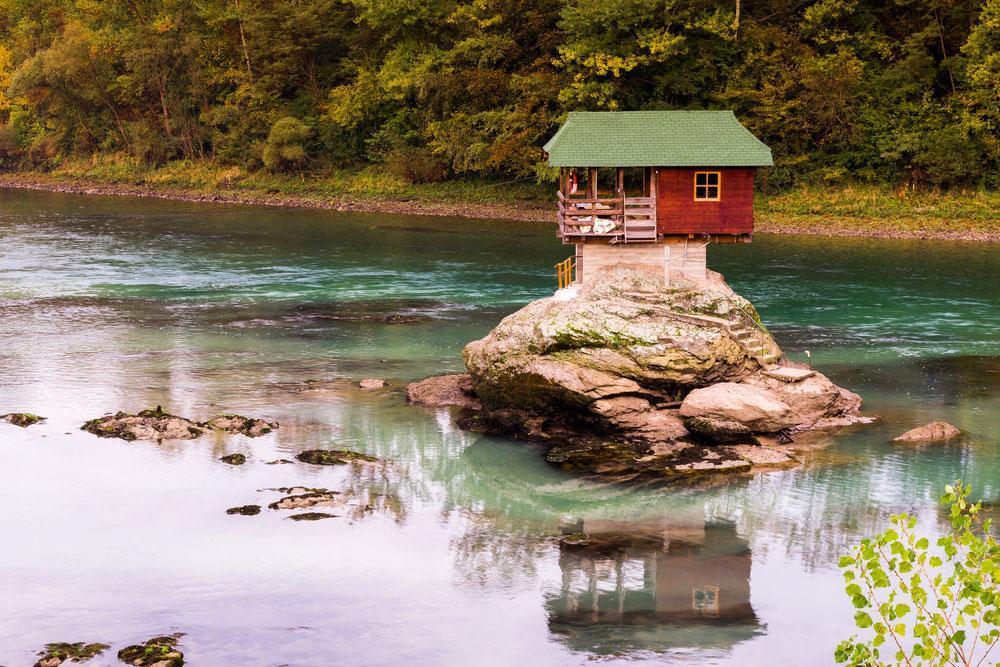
(616, 220)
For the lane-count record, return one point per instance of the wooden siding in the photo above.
(679, 213)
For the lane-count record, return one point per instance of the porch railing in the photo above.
(626, 219)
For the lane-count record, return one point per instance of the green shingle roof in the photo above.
(655, 139)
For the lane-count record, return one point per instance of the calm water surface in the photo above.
(109, 304)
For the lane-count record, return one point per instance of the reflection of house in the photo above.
(654, 587)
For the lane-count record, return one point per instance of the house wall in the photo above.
(678, 213)
(673, 258)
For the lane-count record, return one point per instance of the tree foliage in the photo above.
(905, 93)
(925, 604)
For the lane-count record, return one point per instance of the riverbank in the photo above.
(860, 211)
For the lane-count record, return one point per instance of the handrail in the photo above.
(564, 272)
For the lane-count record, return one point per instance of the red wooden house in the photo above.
(647, 186)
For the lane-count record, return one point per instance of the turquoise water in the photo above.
(109, 304)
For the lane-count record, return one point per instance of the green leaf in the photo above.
(863, 620)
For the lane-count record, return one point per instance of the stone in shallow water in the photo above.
(320, 498)
(937, 431)
(234, 459)
(247, 426)
(145, 425)
(59, 652)
(244, 510)
(278, 462)
(333, 457)
(312, 516)
(442, 390)
(763, 457)
(22, 419)
(371, 383)
(155, 652)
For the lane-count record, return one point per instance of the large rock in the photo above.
(626, 333)
(757, 409)
(630, 379)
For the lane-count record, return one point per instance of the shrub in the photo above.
(417, 165)
(285, 146)
(929, 605)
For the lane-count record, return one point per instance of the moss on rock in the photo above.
(59, 652)
(159, 651)
(333, 457)
(22, 419)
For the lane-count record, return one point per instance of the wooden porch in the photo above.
(618, 220)
(624, 213)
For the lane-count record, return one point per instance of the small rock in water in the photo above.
(308, 499)
(372, 383)
(59, 652)
(247, 426)
(312, 516)
(22, 419)
(278, 462)
(234, 459)
(146, 425)
(244, 510)
(333, 457)
(155, 652)
(442, 390)
(933, 432)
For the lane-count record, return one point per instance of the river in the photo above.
(113, 304)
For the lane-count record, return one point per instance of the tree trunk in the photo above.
(243, 38)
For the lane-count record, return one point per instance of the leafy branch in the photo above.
(937, 604)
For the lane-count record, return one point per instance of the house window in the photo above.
(707, 185)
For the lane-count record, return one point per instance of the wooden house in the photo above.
(653, 187)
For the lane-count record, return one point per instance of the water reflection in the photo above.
(277, 314)
(659, 586)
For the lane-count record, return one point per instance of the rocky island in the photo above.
(630, 378)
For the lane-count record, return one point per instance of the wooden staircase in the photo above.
(744, 330)
(639, 219)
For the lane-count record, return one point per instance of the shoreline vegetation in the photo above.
(859, 211)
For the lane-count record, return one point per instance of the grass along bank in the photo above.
(858, 210)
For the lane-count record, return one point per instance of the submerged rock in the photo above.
(155, 652)
(442, 390)
(312, 498)
(146, 425)
(631, 379)
(22, 419)
(937, 431)
(247, 426)
(234, 459)
(59, 652)
(244, 510)
(278, 462)
(333, 457)
(311, 516)
(371, 383)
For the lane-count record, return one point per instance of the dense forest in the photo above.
(897, 92)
